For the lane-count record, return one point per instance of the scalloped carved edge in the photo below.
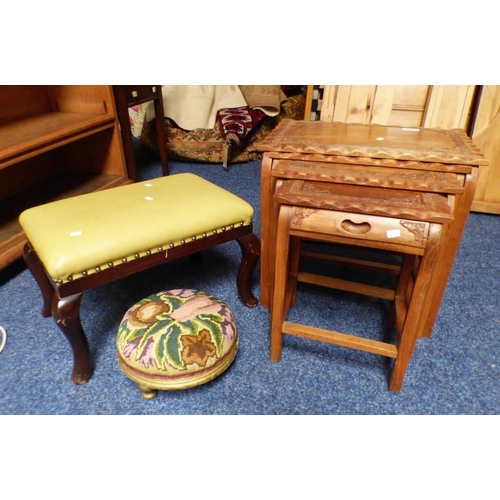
(468, 153)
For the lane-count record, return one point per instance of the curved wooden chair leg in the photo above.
(66, 314)
(37, 270)
(250, 249)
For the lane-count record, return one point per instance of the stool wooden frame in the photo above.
(62, 302)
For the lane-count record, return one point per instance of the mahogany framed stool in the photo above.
(85, 241)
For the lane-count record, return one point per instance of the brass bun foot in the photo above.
(148, 392)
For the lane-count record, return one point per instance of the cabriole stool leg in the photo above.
(37, 270)
(250, 249)
(66, 314)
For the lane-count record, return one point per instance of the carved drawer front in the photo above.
(361, 227)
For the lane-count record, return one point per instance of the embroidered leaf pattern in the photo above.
(154, 331)
(176, 328)
(167, 348)
(212, 325)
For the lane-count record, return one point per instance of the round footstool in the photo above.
(176, 339)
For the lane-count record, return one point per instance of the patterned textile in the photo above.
(176, 334)
(208, 145)
(235, 124)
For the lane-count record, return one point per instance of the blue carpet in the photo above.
(454, 372)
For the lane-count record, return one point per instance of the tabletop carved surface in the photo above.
(374, 141)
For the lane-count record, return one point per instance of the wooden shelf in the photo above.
(11, 235)
(56, 141)
(31, 136)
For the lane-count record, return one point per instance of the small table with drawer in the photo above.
(398, 183)
(127, 96)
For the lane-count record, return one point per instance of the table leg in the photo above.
(160, 132)
(280, 279)
(418, 306)
(266, 200)
(452, 234)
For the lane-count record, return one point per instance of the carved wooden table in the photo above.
(405, 173)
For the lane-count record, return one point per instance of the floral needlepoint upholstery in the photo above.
(176, 339)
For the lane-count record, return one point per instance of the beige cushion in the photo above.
(74, 236)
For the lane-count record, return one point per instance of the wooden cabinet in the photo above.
(473, 108)
(486, 134)
(441, 106)
(56, 141)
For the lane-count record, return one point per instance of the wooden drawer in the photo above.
(136, 94)
(361, 227)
